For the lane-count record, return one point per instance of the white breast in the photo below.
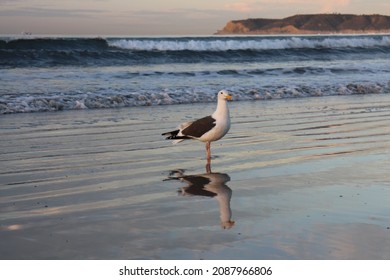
(222, 125)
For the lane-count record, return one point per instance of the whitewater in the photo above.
(65, 73)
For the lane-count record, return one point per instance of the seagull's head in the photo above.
(224, 95)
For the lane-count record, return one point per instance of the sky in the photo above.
(159, 17)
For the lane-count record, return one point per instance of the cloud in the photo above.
(239, 7)
(47, 12)
(330, 6)
(323, 6)
(243, 6)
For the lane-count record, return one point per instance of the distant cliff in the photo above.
(310, 24)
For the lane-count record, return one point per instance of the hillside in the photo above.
(310, 24)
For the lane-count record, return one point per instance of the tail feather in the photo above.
(173, 135)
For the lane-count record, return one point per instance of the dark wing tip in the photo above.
(171, 133)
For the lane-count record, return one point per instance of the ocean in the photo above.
(310, 119)
(65, 73)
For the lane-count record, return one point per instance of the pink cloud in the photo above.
(330, 6)
(242, 6)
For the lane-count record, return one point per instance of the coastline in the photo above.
(310, 23)
(308, 180)
(303, 33)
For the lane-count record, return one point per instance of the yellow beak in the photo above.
(229, 97)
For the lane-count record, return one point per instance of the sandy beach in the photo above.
(301, 179)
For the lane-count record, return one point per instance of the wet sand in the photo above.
(300, 178)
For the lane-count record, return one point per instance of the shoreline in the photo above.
(117, 102)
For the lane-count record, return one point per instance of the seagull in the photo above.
(207, 129)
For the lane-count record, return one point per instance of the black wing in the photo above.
(199, 127)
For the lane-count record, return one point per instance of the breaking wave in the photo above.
(254, 44)
(43, 103)
(49, 52)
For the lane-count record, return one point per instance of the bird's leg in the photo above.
(208, 156)
(208, 153)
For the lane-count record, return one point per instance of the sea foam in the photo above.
(216, 44)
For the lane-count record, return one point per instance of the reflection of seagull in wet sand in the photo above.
(207, 129)
(210, 185)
